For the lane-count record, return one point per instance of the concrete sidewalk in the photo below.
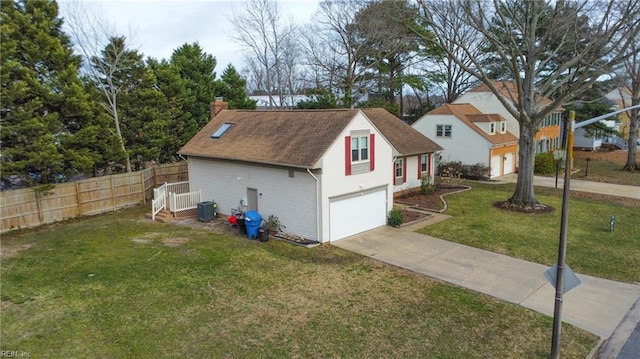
(597, 305)
(580, 185)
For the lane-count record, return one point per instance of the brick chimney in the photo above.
(217, 106)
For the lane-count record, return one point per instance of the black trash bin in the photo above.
(263, 234)
(241, 225)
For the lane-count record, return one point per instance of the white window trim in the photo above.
(492, 128)
(444, 131)
(424, 159)
(359, 138)
(396, 168)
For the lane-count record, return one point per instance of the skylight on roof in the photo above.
(221, 130)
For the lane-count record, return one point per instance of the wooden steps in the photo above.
(163, 216)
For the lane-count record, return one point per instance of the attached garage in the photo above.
(496, 166)
(358, 212)
(508, 163)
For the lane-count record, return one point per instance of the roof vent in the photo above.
(221, 130)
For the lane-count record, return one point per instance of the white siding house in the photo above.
(469, 136)
(326, 174)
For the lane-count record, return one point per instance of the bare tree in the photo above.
(333, 48)
(92, 35)
(552, 49)
(455, 80)
(270, 41)
(629, 75)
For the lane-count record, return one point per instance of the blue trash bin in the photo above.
(253, 220)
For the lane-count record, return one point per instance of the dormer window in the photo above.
(503, 126)
(492, 128)
(221, 130)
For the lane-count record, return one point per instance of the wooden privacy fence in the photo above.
(27, 207)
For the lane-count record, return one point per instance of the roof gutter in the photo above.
(318, 205)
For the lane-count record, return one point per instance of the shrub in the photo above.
(457, 170)
(396, 218)
(544, 164)
(426, 186)
(273, 224)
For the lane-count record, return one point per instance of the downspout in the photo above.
(318, 205)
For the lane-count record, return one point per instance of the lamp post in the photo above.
(564, 225)
(586, 172)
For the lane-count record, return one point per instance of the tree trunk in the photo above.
(524, 196)
(632, 163)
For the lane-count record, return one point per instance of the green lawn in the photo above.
(604, 171)
(108, 287)
(591, 248)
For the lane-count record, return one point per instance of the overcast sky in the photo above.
(158, 27)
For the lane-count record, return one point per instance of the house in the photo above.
(481, 97)
(471, 136)
(593, 141)
(413, 155)
(326, 174)
(621, 97)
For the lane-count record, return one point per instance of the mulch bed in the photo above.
(430, 202)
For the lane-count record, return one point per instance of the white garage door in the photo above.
(508, 163)
(496, 162)
(358, 213)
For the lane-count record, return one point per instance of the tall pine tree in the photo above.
(41, 92)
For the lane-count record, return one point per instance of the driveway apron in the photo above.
(597, 305)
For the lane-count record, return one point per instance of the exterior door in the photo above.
(252, 199)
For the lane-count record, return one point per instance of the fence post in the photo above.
(78, 203)
(144, 192)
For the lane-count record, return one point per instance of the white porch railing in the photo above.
(184, 201)
(616, 141)
(159, 201)
(178, 187)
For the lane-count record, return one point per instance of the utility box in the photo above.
(206, 211)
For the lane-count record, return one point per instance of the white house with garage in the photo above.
(326, 174)
(470, 136)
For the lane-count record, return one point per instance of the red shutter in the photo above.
(347, 156)
(372, 152)
(404, 170)
(419, 167)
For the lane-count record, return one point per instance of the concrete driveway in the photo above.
(597, 305)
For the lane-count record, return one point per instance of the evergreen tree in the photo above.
(196, 68)
(232, 87)
(41, 92)
(181, 125)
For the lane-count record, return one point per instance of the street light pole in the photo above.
(562, 247)
(564, 223)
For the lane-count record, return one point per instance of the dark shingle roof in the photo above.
(405, 139)
(293, 138)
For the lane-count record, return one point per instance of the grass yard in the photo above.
(591, 248)
(605, 166)
(119, 286)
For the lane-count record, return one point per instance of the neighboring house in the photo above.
(326, 174)
(594, 142)
(621, 97)
(471, 137)
(481, 97)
